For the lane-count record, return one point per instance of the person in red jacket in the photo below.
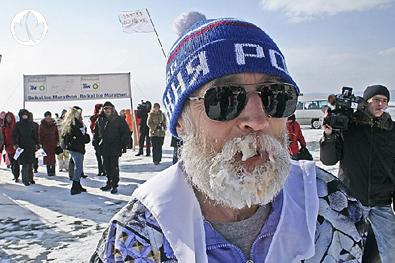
(9, 124)
(295, 135)
(49, 139)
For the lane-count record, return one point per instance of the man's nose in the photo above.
(253, 117)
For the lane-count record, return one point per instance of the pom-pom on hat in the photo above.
(214, 48)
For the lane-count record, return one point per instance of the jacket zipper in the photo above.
(212, 247)
(256, 241)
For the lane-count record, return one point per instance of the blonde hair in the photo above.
(69, 120)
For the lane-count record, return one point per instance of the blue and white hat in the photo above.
(214, 48)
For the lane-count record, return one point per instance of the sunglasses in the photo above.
(224, 103)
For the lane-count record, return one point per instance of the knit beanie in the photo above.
(108, 104)
(376, 90)
(214, 48)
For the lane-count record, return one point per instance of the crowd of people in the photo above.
(64, 138)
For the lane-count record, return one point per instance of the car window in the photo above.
(299, 106)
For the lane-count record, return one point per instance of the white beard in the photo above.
(222, 176)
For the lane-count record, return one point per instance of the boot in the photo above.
(148, 152)
(81, 188)
(75, 189)
(114, 190)
(139, 153)
(107, 187)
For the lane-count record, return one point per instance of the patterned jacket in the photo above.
(134, 235)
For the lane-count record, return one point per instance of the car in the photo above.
(310, 112)
(391, 110)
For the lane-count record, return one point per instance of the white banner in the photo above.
(136, 21)
(76, 87)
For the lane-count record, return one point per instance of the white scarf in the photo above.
(171, 200)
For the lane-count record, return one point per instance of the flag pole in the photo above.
(157, 36)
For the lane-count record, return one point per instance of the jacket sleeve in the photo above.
(57, 135)
(125, 134)
(15, 135)
(96, 134)
(40, 134)
(164, 122)
(301, 139)
(1, 139)
(150, 123)
(331, 148)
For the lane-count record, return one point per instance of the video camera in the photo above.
(346, 104)
(143, 108)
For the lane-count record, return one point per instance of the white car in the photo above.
(310, 112)
(391, 110)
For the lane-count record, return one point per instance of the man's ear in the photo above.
(180, 127)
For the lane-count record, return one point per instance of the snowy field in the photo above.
(44, 223)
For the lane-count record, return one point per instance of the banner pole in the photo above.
(136, 135)
(24, 91)
(157, 36)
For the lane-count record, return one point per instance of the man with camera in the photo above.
(366, 151)
(142, 112)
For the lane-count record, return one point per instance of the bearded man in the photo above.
(235, 195)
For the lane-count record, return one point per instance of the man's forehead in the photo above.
(378, 96)
(243, 78)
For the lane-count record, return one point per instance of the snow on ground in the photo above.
(44, 223)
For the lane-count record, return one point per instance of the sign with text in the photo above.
(136, 21)
(76, 87)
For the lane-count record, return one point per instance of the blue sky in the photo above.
(327, 44)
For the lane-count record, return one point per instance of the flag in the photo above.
(136, 21)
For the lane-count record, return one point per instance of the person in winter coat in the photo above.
(49, 140)
(157, 130)
(25, 137)
(9, 124)
(366, 151)
(295, 136)
(142, 112)
(75, 136)
(63, 158)
(98, 151)
(112, 135)
(234, 195)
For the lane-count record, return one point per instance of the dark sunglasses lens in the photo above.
(224, 103)
(279, 100)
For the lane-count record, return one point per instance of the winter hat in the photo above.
(77, 108)
(376, 90)
(214, 48)
(23, 112)
(108, 104)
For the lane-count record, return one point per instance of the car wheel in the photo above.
(315, 124)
